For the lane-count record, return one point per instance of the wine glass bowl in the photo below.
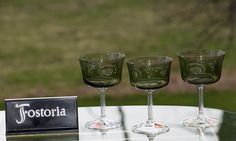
(102, 70)
(149, 74)
(201, 67)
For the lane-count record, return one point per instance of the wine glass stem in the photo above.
(103, 103)
(201, 102)
(150, 110)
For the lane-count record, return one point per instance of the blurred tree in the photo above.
(216, 19)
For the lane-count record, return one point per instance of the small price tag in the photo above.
(41, 114)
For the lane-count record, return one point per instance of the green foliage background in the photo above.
(41, 40)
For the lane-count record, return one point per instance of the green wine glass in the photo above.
(102, 71)
(201, 67)
(149, 74)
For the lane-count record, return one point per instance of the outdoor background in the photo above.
(41, 40)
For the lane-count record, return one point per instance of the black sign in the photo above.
(41, 114)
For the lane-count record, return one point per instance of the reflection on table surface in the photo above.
(172, 116)
(46, 137)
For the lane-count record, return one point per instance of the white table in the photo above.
(172, 116)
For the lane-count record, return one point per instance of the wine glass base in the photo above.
(206, 123)
(102, 124)
(154, 129)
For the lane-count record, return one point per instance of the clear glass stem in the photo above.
(201, 102)
(103, 102)
(150, 108)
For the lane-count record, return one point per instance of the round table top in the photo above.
(129, 116)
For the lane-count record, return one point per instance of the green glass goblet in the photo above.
(201, 67)
(149, 74)
(102, 71)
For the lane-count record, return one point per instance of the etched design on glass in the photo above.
(149, 71)
(163, 71)
(107, 70)
(91, 69)
(213, 65)
(196, 68)
(136, 73)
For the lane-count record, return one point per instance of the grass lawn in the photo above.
(213, 99)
